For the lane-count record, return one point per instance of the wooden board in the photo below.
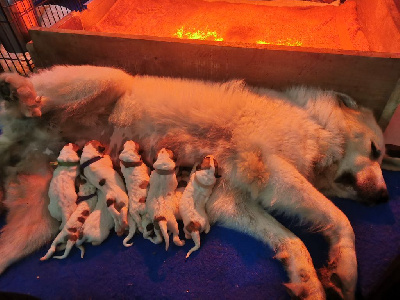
(370, 78)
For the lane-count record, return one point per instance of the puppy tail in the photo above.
(132, 230)
(29, 224)
(164, 232)
(196, 239)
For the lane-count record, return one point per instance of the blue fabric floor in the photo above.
(229, 265)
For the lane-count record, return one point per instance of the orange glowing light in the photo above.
(194, 34)
(287, 42)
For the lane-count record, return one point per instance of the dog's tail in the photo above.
(29, 224)
(132, 230)
(196, 240)
(160, 223)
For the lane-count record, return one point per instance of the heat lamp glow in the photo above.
(193, 34)
(238, 24)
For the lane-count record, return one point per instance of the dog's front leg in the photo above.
(290, 192)
(29, 224)
(232, 211)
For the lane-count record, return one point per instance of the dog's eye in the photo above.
(375, 153)
(346, 178)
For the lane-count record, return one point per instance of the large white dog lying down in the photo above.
(273, 155)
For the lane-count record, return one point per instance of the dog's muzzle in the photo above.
(380, 197)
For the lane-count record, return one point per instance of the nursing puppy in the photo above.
(98, 225)
(161, 203)
(73, 229)
(136, 175)
(62, 186)
(192, 206)
(98, 169)
(275, 155)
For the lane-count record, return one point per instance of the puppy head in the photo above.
(69, 153)
(130, 152)
(359, 175)
(164, 160)
(93, 148)
(207, 171)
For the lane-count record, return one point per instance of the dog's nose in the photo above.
(383, 196)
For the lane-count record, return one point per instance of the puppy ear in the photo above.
(101, 148)
(346, 100)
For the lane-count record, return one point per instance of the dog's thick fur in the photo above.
(273, 154)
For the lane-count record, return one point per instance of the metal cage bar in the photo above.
(16, 17)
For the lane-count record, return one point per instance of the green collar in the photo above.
(66, 163)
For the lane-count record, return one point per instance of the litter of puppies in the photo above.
(135, 203)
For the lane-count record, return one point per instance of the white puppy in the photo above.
(192, 206)
(161, 204)
(87, 199)
(62, 186)
(136, 175)
(99, 223)
(98, 169)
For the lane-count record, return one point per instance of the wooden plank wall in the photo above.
(370, 79)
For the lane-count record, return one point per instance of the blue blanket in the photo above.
(229, 265)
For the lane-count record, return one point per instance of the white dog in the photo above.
(62, 186)
(274, 155)
(136, 175)
(192, 206)
(161, 204)
(98, 225)
(73, 229)
(98, 169)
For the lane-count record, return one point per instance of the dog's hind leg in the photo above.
(250, 218)
(29, 224)
(295, 196)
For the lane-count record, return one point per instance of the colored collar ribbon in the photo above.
(64, 163)
(165, 172)
(89, 162)
(83, 198)
(131, 164)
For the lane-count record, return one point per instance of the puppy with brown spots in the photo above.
(136, 175)
(162, 205)
(62, 186)
(192, 206)
(98, 225)
(98, 169)
(86, 202)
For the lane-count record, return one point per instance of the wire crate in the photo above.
(16, 17)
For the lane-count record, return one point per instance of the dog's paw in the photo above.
(339, 282)
(19, 92)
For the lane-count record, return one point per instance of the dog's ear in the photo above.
(171, 155)
(101, 148)
(346, 100)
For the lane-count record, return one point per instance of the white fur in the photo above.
(98, 225)
(74, 226)
(192, 206)
(273, 154)
(113, 186)
(161, 201)
(62, 186)
(136, 181)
